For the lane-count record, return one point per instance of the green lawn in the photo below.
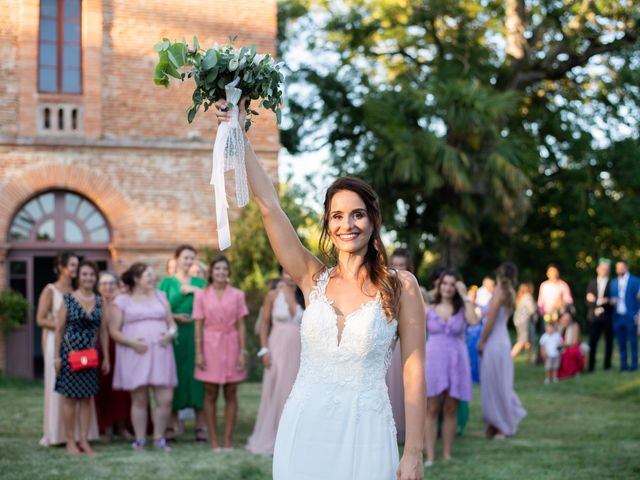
(587, 427)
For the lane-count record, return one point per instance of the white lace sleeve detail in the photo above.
(320, 286)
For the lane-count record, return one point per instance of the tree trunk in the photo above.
(515, 24)
(413, 242)
(453, 252)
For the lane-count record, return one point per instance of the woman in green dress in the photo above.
(180, 289)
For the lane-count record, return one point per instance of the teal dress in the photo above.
(190, 392)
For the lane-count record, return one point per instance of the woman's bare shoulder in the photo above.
(409, 285)
(406, 277)
(499, 293)
(47, 291)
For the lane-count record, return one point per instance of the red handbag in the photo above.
(82, 359)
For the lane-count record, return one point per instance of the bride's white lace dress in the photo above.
(337, 423)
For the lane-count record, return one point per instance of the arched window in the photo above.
(55, 218)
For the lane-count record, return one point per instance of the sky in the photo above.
(309, 170)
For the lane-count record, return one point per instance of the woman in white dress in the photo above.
(49, 303)
(337, 423)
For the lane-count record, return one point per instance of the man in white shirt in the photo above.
(485, 293)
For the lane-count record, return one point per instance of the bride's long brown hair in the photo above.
(375, 260)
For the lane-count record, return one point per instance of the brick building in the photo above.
(94, 158)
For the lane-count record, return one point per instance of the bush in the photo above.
(13, 310)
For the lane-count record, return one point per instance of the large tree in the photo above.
(470, 117)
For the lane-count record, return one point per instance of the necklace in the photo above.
(84, 297)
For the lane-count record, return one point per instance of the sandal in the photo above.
(201, 435)
(162, 444)
(89, 451)
(139, 444)
(75, 453)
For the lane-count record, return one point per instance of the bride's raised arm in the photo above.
(299, 262)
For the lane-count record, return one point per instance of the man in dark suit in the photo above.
(625, 298)
(599, 314)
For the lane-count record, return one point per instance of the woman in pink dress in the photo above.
(219, 311)
(280, 355)
(142, 325)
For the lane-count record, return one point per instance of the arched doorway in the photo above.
(48, 223)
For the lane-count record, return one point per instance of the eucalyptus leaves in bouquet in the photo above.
(224, 73)
(258, 76)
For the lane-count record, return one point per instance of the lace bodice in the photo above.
(357, 364)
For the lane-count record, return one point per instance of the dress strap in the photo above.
(54, 290)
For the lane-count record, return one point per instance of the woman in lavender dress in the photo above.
(142, 325)
(448, 370)
(501, 408)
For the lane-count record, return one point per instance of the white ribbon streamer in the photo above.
(228, 154)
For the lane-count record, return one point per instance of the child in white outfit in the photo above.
(550, 343)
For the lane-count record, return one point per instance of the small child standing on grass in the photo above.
(550, 343)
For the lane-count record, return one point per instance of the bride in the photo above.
(337, 423)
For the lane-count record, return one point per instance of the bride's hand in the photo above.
(410, 467)
(223, 115)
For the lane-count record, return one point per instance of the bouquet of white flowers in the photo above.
(224, 73)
